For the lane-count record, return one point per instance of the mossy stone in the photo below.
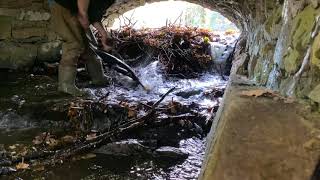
(315, 94)
(315, 56)
(292, 61)
(302, 27)
(5, 27)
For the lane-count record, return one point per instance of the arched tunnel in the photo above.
(267, 126)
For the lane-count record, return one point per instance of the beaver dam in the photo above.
(121, 131)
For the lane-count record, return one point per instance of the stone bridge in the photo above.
(255, 138)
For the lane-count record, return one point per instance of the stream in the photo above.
(20, 122)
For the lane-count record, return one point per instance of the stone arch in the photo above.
(231, 9)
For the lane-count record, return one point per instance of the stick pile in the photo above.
(183, 51)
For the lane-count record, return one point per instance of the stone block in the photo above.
(315, 54)
(5, 27)
(15, 3)
(34, 15)
(29, 33)
(29, 29)
(9, 12)
(49, 52)
(315, 3)
(315, 94)
(20, 57)
(20, 24)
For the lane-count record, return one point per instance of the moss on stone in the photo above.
(5, 27)
(268, 47)
(292, 61)
(274, 19)
(264, 63)
(303, 24)
(315, 56)
(315, 94)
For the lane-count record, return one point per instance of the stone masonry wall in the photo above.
(25, 38)
(283, 49)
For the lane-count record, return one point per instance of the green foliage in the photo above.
(197, 16)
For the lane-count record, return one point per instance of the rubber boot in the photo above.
(67, 77)
(96, 72)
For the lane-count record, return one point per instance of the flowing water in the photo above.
(187, 92)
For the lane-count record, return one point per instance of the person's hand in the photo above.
(102, 36)
(84, 20)
(104, 39)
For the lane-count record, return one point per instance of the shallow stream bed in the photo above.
(30, 105)
(29, 101)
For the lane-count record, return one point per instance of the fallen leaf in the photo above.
(41, 138)
(22, 165)
(132, 113)
(38, 168)
(68, 139)
(89, 156)
(257, 92)
(91, 136)
(289, 100)
(12, 147)
(52, 142)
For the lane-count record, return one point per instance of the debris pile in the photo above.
(183, 51)
(150, 122)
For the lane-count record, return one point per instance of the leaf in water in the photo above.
(174, 107)
(24, 151)
(37, 141)
(38, 168)
(68, 139)
(89, 156)
(91, 136)
(22, 165)
(12, 147)
(52, 142)
(132, 113)
(258, 92)
(41, 138)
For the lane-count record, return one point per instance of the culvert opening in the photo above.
(187, 40)
(138, 137)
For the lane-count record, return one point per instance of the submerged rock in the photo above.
(7, 170)
(187, 94)
(123, 148)
(170, 152)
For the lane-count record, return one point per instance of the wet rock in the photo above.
(123, 148)
(49, 52)
(170, 152)
(7, 170)
(198, 129)
(187, 94)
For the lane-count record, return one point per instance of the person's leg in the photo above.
(95, 69)
(69, 29)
